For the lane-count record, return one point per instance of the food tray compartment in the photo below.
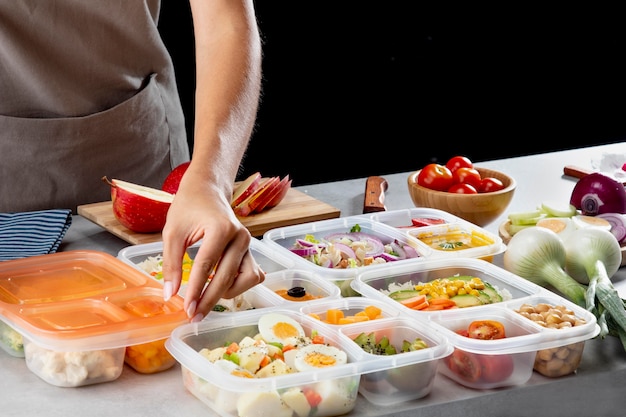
(348, 310)
(296, 286)
(565, 328)
(73, 368)
(392, 378)
(377, 283)
(456, 240)
(283, 240)
(333, 389)
(402, 219)
(488, 364)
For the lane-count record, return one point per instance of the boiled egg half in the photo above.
(280, 328)
(317, 356)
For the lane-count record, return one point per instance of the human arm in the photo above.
(228, 78)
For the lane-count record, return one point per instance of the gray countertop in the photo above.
(596, 389)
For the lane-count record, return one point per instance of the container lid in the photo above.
(85, 300)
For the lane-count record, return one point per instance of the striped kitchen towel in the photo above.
(32, 233)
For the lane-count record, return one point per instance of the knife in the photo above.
(375, 188)
(578, 172)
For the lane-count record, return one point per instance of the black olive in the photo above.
(296, 292)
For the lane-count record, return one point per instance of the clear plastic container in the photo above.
(379, 283)
(147, 258)
(283, 240)
(332, 390)
(78, 311)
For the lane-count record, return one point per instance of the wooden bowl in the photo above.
(480, 209)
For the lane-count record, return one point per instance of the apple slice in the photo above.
(246, 188)
(139, 208)
(247, 206)
(275, 195)
(172, 181)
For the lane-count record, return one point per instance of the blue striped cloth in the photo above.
(32, 233)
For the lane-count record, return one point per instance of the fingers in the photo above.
(172, 265)
(220, 273)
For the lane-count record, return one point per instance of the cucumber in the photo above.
(403, 294)
(466, 300)
(554, 209)
(492, 293)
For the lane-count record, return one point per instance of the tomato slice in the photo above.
(496, 368)
(486, 330)
(426, 221)
(464, 364)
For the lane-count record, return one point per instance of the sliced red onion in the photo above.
(305, 243)
(346, 250)
(618, 224)
(388, 257)
(410, 252)
(304, 251)
(397, 248)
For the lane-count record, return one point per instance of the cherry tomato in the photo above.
(495, 368)
(465, 364)
(462, 188)
(469, 176)
(490, 184)
(459, 161)
(436, 177)
(486, 330)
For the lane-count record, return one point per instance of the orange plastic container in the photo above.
(78, 311)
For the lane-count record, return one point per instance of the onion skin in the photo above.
(597, 193)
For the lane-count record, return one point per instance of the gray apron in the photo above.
(87, 90)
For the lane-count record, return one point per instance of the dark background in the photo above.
(353, 89)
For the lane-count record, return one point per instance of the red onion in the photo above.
(618, 225)
(597, 193)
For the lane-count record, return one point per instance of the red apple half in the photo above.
(246, 188)
(172, 181)
(261, 196)
(139, 208)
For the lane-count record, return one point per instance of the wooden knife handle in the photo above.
(578, 172)
(375, 188)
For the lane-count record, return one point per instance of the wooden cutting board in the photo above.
(297, 207)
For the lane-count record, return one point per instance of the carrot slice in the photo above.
(414, 302)
(440, 304)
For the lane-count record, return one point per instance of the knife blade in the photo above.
(375, 188)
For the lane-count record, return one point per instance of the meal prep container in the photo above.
(528, 344)
(444, 239)
(335, 387)
(282, 240)
(256, 297)
(78, 311)
(375, 283)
